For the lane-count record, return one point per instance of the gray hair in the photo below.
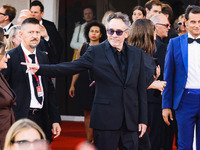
(119, 15)
(157, 18)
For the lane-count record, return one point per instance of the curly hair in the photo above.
(102, 30)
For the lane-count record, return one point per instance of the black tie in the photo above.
(190, 40)
(32, 56)
(122, 64)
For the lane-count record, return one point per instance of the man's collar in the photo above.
(27, 52)
(190, 36)
(7, 26)
(41, 22)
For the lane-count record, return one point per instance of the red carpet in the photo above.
(72, 134)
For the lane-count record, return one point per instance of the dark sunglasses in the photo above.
(118, 32)
(166, 25)
(2, 14)
(181, 23)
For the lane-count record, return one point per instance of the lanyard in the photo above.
(36, 77)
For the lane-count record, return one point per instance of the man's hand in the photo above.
(56, 129)
(72, 91)
(167, 113)
(43, 32)
(142, 128)
(33, 68)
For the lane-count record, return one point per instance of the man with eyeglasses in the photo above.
(7, 14)
(182, 73)
(162, 27)
(119, 112)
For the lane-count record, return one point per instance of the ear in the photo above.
(147, 10)
(6, 17)
(42, 14)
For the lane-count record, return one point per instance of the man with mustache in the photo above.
(35, 94)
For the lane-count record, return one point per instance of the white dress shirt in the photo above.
(78, 37)
(193, 78)
(34, 102)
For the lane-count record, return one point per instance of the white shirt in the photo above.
(78, 38)
(193, 78)
(34, 102)
(6, 27)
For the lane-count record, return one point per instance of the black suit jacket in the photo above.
(17, 78)
(115, 101)
(54, 36)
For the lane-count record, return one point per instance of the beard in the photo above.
(33, 46)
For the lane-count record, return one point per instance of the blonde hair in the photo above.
(17, 127)
(12, 33)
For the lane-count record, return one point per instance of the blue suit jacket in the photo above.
(175, 71)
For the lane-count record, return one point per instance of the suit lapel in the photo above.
(184, 50)
(4, 85)
(131, 60)
(24, 68)
(111, 59)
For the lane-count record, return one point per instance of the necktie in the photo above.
(190, 40)
(32, 56)
(122, 64)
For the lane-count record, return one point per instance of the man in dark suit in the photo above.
(35, 94)
(182, 72)
(154, 96)
(37, 10)
(7, 14)
(119, 110)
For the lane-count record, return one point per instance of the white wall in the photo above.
(50, 8)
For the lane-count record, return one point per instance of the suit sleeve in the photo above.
(168, 77)
(142, 93)
(69, 68)
(53, 109)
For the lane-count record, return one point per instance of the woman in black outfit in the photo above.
(142, 35)
(95, 33)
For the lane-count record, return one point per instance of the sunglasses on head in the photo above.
(181, 23)
(118, 32)
(166, 25)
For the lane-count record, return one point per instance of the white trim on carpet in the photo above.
(72, 118)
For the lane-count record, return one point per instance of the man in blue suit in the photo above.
(182, 73)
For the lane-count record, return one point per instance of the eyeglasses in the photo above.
(118, 32)
(40, 144)
(181, 23)
(166, 25)
(2, 14)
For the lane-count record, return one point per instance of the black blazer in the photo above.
(17, 78)
(54, 36)
(114, 100)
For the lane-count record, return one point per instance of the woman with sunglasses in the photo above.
(181, 25)
(95, 33)
(25, 134)
(7, 98)
(145, 39)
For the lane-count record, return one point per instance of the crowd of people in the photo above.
(138, 80)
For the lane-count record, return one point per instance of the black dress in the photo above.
(150, 70)
(86, 92)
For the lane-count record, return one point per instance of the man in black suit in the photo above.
(37, 10)
(35, 94)
(7, 14)
(119, 110)
(154, 96)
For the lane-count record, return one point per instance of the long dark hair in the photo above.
(142, 35)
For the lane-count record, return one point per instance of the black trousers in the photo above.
(113, 139)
